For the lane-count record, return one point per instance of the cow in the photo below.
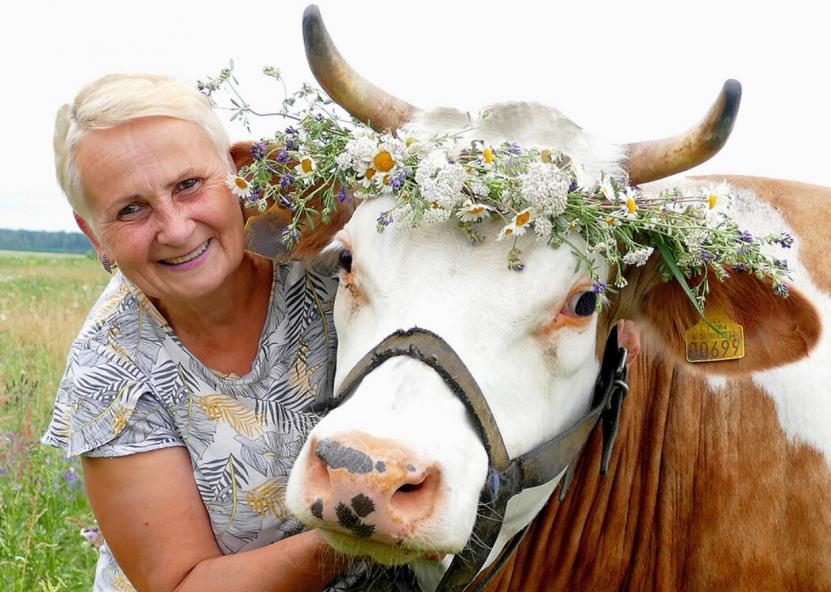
(721, 472)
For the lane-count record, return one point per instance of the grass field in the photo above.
(43, 302)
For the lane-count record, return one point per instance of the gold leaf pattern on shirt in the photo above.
(240, 417)
(122, 584)
(268, 497)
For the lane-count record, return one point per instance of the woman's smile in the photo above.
(190, 260)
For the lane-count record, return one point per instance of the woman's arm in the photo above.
(156, 525)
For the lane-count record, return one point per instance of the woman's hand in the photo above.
(155, 524)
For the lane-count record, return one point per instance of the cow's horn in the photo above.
(365, 101)
(657, 159)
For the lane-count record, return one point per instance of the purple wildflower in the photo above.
(292, 143)
(780, 263)
(786, 240)
(514, 148)
(287, 202)
(572, 187)
(705, 256)
(398, 180)
(258, 150)
(343, 196)
(781, 290)
(740, 268)
(290, 234)
(745, 236)
(599, 287)
(287, 180)
(71, 478)
(384, 219)
(283, 155)
(290, 131)
(92, 536)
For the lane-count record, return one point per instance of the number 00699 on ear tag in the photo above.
(704, 344)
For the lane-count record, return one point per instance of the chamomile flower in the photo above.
(487, 157)
(239, 186)
(473, 212)
(630, 205)
(608, 190)
(521, 221)
(305, 170)
(718, 196)
(508, 230)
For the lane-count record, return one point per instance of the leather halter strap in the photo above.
(506, 476)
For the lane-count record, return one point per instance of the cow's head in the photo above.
(397, 471)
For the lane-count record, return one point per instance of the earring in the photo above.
(107, 264)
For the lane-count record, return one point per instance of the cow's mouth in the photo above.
(383, 553)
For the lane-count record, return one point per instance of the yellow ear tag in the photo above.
(705, 344)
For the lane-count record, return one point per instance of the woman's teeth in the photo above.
(190, 256)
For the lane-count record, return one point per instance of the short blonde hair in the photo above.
(118, 98)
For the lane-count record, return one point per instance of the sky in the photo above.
(624, 70)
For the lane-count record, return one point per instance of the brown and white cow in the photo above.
(722, 472)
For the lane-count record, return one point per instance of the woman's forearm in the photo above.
(301, 563)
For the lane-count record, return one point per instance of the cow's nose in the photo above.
(370, 487)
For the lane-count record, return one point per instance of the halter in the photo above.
(506, 476)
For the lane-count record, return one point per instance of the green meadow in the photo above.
(44, 299)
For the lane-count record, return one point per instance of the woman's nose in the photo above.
(175, 225)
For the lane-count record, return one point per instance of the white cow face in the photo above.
(397, 470)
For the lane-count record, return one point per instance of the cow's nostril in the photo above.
(408, 487)
(318, 474)
(416, 499)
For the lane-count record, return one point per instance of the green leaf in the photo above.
(669, 259)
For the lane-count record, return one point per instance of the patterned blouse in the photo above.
(131, 386)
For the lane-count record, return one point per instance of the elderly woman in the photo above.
(192, 384)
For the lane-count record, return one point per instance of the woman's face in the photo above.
(159, 207)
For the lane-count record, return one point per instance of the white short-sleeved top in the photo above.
(131, 386)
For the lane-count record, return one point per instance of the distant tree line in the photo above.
(42, 240)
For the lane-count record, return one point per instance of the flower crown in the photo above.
(308, 167)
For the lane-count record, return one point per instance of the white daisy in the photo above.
(305, 169)
(521, 221)
(473, 212)
(239, 186)
(608, 190)
(507, 231)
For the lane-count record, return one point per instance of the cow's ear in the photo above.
(776, 330)
(264, 231)
(241, 153)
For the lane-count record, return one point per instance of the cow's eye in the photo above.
(345, 260)
(582, 304)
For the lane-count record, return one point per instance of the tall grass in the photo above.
(43, 302)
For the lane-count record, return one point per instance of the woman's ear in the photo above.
(83, 225)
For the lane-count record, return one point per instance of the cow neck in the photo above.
(506, 477)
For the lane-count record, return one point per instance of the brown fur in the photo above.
(704, 490)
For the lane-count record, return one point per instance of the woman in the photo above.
(191, 386)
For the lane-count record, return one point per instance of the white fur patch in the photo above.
(530, 125)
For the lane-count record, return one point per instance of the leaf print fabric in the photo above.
(131, 386)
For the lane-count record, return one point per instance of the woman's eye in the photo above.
(582, 304)
(345, 260)
(187, 184)
(129, 211)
